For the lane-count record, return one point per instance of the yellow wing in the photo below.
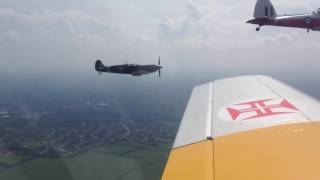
(248, 128)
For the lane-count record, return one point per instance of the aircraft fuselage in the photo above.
(307, 21)
(135, 70)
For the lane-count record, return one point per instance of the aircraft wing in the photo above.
(247, 128)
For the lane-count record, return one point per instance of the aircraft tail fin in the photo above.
(264, 8)
(99, 65)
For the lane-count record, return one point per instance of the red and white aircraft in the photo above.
(265, 14)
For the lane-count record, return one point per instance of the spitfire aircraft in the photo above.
(247, 128)
(265, 14)
(133, 69)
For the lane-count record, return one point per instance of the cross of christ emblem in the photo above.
(260, 108)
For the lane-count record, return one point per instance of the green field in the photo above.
(109, 162)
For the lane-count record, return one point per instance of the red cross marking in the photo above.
(261, 108)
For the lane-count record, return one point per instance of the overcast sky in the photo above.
(194, 35)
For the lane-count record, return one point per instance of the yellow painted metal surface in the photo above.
(192, 162)
(287, 152)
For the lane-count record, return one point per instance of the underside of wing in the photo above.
(248, 127)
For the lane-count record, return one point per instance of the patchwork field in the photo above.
(109, 162)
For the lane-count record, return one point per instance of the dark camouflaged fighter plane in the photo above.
(133, 69)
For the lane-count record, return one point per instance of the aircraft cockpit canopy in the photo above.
(133, 65)
(316, 12)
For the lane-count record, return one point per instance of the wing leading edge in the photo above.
(248, 127)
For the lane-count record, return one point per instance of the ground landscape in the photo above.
(121, 129)
(68, 132)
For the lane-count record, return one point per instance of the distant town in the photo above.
(70, 131)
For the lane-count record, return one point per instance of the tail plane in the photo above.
(99, 65)
(263, 9)
(264, 14)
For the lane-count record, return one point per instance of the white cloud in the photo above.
(193, 9)
(211, 32)
(297, 3)
(55, 38)
(186, 27)
(74, 19)
(9, 36)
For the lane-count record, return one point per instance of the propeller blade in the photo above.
(159, 72)
(159, 61)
